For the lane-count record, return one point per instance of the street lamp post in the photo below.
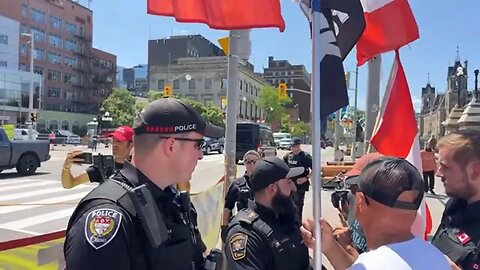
(30, 96)
(475, 95)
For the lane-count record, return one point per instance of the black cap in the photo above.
(295, 141)
(385, 179)
(270, 170)
(173, 116)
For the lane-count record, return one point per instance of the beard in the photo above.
(284, 205)
(465, 192)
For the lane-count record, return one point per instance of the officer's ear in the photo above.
(473, 170)
(167, 146)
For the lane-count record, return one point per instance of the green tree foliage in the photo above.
(300, 129)
(274, 107)
(209, 111)
(121, 106)
(285, 124)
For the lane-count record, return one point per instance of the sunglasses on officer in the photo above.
(250, 161)
(198, 142)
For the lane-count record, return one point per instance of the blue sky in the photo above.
(124, 29)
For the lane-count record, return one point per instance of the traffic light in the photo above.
(167, 91)
(33, 117)
(282, 91)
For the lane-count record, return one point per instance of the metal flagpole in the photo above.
(316, 129)
(232, 109)
(355, 119)
(373, 99)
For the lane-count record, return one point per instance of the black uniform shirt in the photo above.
(302, 159)
(246, 249)
(106, 237)
(234, 191)
(465, 219)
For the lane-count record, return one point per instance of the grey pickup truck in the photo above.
(25, 156)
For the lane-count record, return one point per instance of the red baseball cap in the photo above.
(362, 162)
(123, 134)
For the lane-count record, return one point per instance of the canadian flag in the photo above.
(390, 24)
(397, 133)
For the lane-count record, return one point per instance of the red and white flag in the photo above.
(225, 14)
(390, 24)
(397, 133)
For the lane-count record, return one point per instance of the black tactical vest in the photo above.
(244, 193)
(288, 250)
(176, 253)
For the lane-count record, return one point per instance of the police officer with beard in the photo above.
(266, 235)
(135, 219)
(299, 158)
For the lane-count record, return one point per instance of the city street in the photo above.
(38, 204)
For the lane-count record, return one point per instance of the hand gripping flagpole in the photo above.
(316, 130)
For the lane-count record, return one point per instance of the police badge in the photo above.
(101, 226)
(238, 246)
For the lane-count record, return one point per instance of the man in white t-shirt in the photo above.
(390, 191)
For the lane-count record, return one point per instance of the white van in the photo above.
(278, 136)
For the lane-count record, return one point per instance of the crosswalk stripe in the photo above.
(13, 181)
(34, 204)
(36, 220)
(28, 185)
(23, 195)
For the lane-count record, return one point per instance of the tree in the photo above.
(121, 106)
(300, 129)
(209, 111)
(274, 107)
(285, 125)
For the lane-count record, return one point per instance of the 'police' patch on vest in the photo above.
(101, 226)
(238, 246)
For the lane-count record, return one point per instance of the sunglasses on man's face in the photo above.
(250, 161)
(198, 142)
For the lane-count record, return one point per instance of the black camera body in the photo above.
(105, 163)
(340, 194)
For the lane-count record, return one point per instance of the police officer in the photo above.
(458, 235)
(121, 148)
(135, 219)
(299, 158)
(239, 191)
(266, 235)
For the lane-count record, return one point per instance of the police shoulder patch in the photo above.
(101, 226)
(238, 246)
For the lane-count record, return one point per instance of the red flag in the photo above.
(396, 134)
(390, 24)
(224, 14)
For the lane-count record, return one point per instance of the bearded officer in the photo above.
(299, 158)
(135, 220)
(266, 235)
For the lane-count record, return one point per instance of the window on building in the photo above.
(70, 61)
(208, 83)
(24, 11)
(71, 27)
(70, 45)
(38, 34)
(4, 39)
(3, 64)
(224, 83)
(53, 92)
(161, 84)
(39, 54)
(23, 28)
(23, 67)
(54, 75)
(56, 22)
(176, 84)
(38, 16)
(38, 70)
(191, 84)
(23, 50)
(54, 58)
(55, 40)
(67, 77)
(241, 84)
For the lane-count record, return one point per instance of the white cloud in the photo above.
(417, 103)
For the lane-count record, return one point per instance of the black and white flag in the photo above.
(342, 24)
